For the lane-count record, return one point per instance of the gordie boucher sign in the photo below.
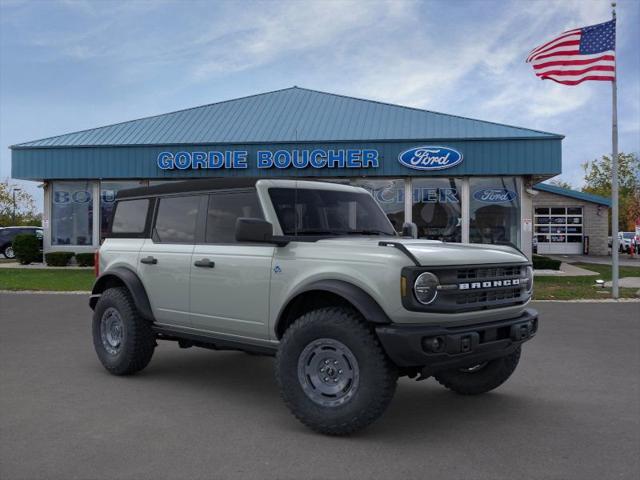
(264, 159)
(417, 158)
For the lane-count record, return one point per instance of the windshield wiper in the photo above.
(341, 232)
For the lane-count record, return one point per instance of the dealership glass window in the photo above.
(108, 191)
(494, 210)
(558, 224)
(389, 194)
(437, 208)
(72, 213)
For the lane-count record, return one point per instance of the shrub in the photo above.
(27, 248)
(545, 263)
(84, 259)
(58, 259)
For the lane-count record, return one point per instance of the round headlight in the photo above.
(529, 279)
(426, 288)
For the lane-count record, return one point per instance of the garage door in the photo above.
(558, 229)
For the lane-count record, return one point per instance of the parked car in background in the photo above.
(7, 234)
(625, 240)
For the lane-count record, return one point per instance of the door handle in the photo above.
(205, 262)
(149, 260)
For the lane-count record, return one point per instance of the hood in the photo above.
(436, 253)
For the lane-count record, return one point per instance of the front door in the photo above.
(230, 280)
(165, 259)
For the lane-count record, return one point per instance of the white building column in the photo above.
(465, 201)
(526, 218)
(408, 200)
(95, 189)
(46, 216)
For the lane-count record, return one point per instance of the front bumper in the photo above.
(438, 348)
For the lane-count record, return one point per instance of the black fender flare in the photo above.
(133, 284)
(361, 300)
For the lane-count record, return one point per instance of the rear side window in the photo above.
(130, 216)
(176, 219)
(224, 209)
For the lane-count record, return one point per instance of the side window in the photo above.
(224, 209)
(130, 216)
(176, 219)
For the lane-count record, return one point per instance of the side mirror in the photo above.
(409, 229)
(253, 230)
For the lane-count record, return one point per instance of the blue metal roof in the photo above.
(565, 192)
(291, 115)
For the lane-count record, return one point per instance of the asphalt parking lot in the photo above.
(571, 410)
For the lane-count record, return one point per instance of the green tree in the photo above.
(597, 179)
(25, 207)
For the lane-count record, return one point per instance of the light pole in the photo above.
(14, 203)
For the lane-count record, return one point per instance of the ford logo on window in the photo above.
(430, 158)
(495, 195)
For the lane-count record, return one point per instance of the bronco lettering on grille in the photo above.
(489, 284)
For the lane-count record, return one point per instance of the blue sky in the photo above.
(72, 65)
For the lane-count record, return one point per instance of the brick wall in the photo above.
(594, 226)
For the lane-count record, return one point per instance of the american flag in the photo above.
(587, 53)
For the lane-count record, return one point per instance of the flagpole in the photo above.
(614, 177)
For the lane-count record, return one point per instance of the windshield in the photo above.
(328, 212)
(628, 234)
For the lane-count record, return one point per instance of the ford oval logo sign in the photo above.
(430, 158)
(495, 195)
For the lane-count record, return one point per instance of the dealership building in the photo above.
(457, 179)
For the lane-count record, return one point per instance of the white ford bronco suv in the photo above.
(314, 274)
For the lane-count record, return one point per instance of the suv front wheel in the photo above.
(122, 339)
(332, 372)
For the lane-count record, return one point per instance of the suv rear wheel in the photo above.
(333, 374)
(480, 378)
(8, 252)
(122, 339)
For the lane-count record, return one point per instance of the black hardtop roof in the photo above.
(199, 185)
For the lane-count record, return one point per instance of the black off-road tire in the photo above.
(377, 377)
(485, 379)
(138, 340)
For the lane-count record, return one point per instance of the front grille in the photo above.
(488, 297)
(489, 273)
(472, 288)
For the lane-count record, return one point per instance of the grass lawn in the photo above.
(569, 288)
(46, 279)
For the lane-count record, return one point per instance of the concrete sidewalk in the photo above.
(624, 259)
(566, 270)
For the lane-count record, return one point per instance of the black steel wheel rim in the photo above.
(328, 372)
(111, 330)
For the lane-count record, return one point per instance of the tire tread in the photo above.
(140, 343)
(354, 324)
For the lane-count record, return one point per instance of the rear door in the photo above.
(164, 263)
(230, 280)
